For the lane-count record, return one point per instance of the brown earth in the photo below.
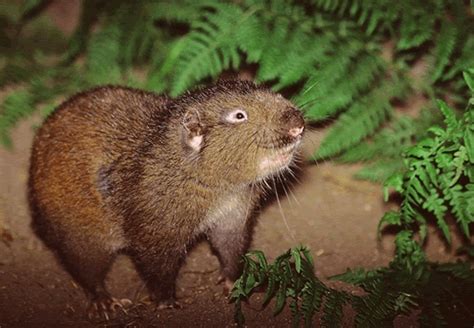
(334, 215)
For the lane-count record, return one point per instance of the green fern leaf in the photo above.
(416, 27)
(332, 312)
(449, 117)
(251, 38)
(445, 44)
(273, 55)
(17, 105)
(317, 93)
(208, 49)
(29, 7)
(361, 120)
(78, 42)
(459, 200)
(380, 171)
(183, 11)
(103, 56)
(465, 60)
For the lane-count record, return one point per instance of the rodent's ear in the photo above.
(193, 130)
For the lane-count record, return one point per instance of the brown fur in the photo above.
(113, 169)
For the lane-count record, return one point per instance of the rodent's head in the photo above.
(239, 131)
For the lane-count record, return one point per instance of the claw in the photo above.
(169, 304)
(121, 305)
(228, 284)
(107, 308)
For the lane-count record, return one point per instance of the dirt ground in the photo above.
(335, 216)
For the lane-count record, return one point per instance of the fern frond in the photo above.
(182, 11)
(138, 34)
(465, 60)
(332, 311)
(388, 144)
(361, 120)
(273, 55)
(16, 106)
(78, 41)
(445, 45)
(103, 56)
(378, 309)
(459, 201)
(415, 26)
(317, 98)
(344, 92)
(17, 70)
(381, 170)
(306, 53)
(251, 38)
(209, 48)
(372, 14)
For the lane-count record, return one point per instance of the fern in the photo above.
(208, 49)
(383, 152)
(103, 51)
(333, 304)
(465, 60)
(361, 119)
(440, 293)
(16, 106)
(443, 50)
(318, 99)
(274, 57)
(326, 54)
(439, 180)
(437, 165)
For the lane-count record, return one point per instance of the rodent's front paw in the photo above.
(228, 284)
(169, 304)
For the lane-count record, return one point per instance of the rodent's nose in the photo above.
(294, 122)
(295, 132)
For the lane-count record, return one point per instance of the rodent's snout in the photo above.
(293, 122)
(295, 132)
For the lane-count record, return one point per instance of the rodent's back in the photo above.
(83, 135)
(109, 120)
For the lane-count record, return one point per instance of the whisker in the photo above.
(281, 211)
(290, 186)
(279, 177)
(293, 175)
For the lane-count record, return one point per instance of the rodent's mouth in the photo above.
(279, 159)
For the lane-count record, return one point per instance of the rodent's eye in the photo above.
(236, 116)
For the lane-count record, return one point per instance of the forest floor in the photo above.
(328, 211)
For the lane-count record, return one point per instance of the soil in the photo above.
(329, 212)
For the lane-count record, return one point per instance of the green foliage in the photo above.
(441, 294)
(383, 152)
(339, 60)
(289, 279)
(439, 178)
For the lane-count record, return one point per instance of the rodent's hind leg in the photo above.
(159, 273)
(89, 264)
